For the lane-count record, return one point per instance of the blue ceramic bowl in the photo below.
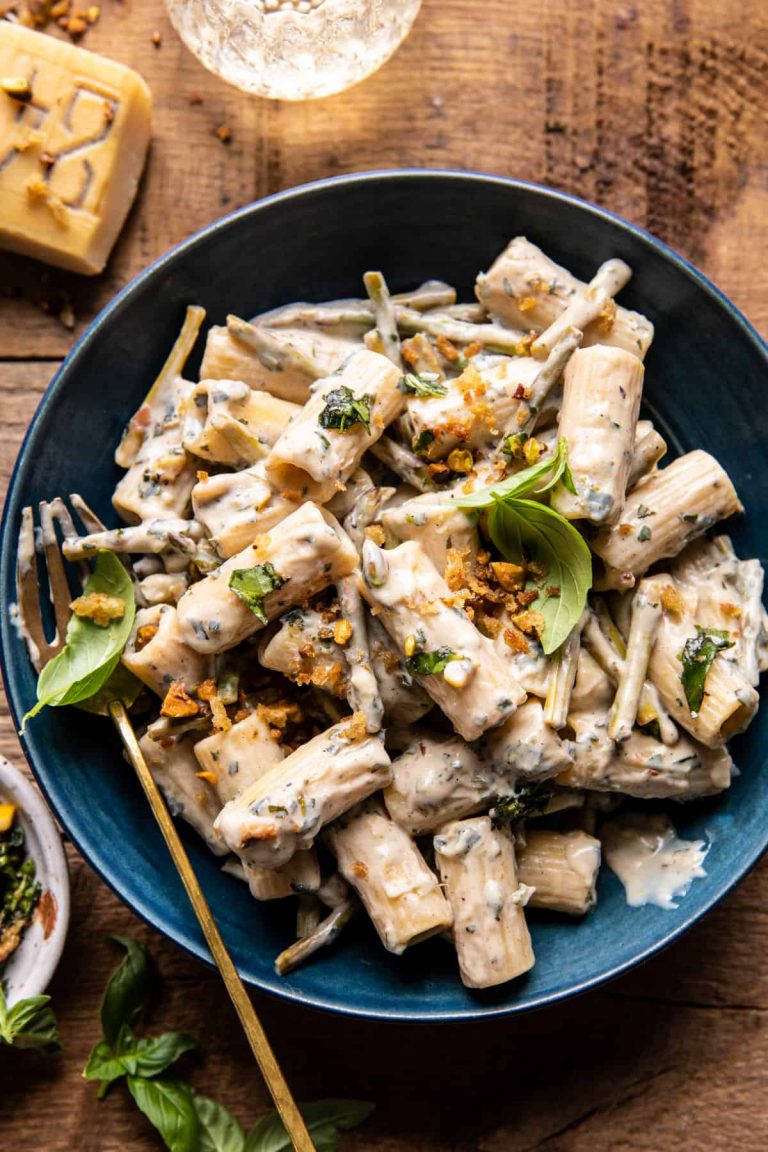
(706, 377)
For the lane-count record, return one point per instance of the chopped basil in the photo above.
(343, 410)
(423, 440)
(253, 584)
(423, 384)
(430, 663)
(689, 517)
(644, 534)
(529, 799)
(642, 512)
(697, 658)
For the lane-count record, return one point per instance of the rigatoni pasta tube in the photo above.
(672, 507)
(171, 760)
(230, 423)
(286, 808)
(235, 507)
(307, 551)
(526, 289)
(304, 650)
(525, 745)
(440, 778)
(729, 701)
(228, 358)
(562, 869)
(435, 523)
(238, 757)
(644, 767)
(316, 456)
(300, 875)
(477, 867)
(380, 860)
(470, 683)
(157, 654)
(601, 402)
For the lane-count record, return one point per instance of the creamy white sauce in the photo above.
(653, 863)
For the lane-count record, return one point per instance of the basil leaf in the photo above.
(167, 1104)
(698, 656)
(525, 801)
(550, 470)
(325, 1119)
(423, 384)
(524, 531)
(218, 1130)
(343, 410)
(120, 685)
(253, 584)
(150, 1057)
(127, 991)
(421, 442)
(28, 1024)
(90, 653)
(103, 1064)
(430, 663)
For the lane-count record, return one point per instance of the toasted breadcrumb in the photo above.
(99, 608)
(671, 600)
(342, 632)
(516, 641)
(376, 533)
(178, 703)
(355, 728)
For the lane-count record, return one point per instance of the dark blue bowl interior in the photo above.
(704, 386)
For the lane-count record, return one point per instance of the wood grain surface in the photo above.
(656, 110)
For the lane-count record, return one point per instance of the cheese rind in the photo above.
(72, 156)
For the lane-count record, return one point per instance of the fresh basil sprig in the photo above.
(552, 469)
(253, 584)
(525, 529)
(530, 532)
(186, 1120)
(90, 653)
(29, 1023)
(697, 657)
(343, 410)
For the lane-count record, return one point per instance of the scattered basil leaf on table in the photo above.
(151, 1056)
(217, 1128)
(253, 584)
(423, 384)
(127, 991)
(28, 1024)
(343, 410)
(698, 656)
(167, 1104)
(90, 653)
(430, 663)
(325, 1119)
(186, 1120)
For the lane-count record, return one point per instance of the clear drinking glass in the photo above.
(293, 49)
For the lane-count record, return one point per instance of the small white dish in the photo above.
(30, 968)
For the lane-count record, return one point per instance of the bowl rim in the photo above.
(187, 941)
(46, 848)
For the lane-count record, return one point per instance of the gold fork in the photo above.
(42, 650)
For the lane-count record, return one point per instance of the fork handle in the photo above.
(254, 1031)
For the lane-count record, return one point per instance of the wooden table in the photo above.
(656, 110)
